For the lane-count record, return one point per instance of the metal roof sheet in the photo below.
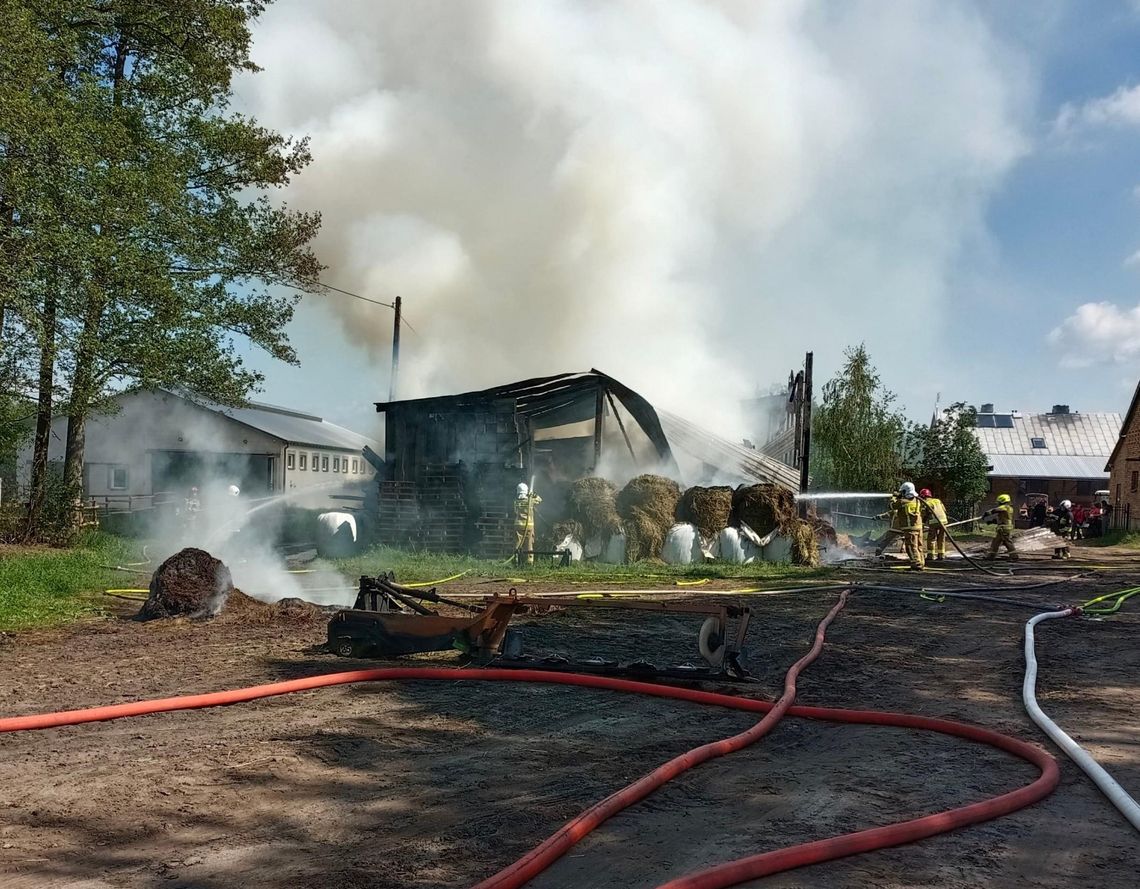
(1065, 435)
(1047, 466)
(293, 427)
(736, 459)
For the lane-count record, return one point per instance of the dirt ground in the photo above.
(441, 784)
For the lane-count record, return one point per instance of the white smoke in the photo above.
(687, 195)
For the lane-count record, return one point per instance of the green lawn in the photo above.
(1130, 539)
(50, 586)
(411, 567)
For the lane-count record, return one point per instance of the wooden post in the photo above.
(621, 426)
(599, 410)
(395, 353)
(805, 448)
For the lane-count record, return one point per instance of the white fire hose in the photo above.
(1116, 794)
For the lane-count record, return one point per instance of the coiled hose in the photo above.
(1116, 794)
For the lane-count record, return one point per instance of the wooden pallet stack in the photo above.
(496, 532)
(443, 510)
(398, 514)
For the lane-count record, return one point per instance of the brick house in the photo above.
(1124, 464)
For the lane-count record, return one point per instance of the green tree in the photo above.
(173, 248)
(950, 457)
(858, 437)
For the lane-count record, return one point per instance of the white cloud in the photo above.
(688, 194)
(1132, 259)
(1122, 108)
(1097, 333)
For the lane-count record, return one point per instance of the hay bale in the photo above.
(191, 583)
(567, 528)
(590, 502)
(708, 508)
(647, 506)
(805, 546)
(644, 537)
(765, 508)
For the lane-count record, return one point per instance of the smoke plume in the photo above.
(687, 195)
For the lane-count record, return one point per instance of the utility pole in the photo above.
(805, 447)
(395, 353)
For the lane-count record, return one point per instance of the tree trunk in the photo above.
(38, 492)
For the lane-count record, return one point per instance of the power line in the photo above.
(356, 295)
(376, 302)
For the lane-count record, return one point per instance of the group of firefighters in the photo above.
(918, 517)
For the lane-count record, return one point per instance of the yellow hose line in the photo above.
(700, 582)
(127, 591)
(424, 583)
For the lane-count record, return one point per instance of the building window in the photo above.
(290, 460)
(119, 478)
(1037, 442)
(1135, 481)
(325, 463)
(304, 462)
(316, 461)
(336, 464)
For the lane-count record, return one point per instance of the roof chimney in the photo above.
(1060, 409)
(987, 408)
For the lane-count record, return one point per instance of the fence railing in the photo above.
(110, 504)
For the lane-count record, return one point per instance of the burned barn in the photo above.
(452, 463)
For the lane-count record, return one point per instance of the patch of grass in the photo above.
(41, 587)
(1128, 539)
(412, 567)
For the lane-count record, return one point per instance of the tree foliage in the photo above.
(949, 457)
(138, 239)
(858, 436)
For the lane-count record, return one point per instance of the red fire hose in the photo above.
(724, 875)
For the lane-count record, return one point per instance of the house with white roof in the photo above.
(1061, 454)
(157, 444)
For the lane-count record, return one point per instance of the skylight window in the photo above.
(1037, 442)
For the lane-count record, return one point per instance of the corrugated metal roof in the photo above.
(736, 459)
(1065, 435)
(1046, 466)
(293, 427)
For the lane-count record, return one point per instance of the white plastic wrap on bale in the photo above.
(336, 534)
(682, 545)
(594, 547)
(570, 543)
(614, 553)
(779, 549)
(736, 548)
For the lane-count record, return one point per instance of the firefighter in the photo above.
(907, 523)
(892, 533)
(1002, 516)
(934, 517)
(1062, 522)
(525, 502)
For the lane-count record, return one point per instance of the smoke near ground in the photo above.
(686, 195)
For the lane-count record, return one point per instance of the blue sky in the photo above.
(691, 198)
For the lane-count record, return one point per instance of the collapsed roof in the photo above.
(567, 405)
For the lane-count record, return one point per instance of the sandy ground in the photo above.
(441, 784)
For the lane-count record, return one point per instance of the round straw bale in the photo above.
(590, 503)
(708, 508)
(765, 508)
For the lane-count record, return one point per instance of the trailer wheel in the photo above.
(346, 648)
(710, 641)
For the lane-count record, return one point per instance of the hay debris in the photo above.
(647, 506)
(190, 583)
(710, 509)
(805, 546)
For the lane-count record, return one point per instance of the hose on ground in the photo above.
(1121, 596)
(768, 863)
(1116, 794)
(555, 846)
(962, 552)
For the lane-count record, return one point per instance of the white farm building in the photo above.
(156, 445)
